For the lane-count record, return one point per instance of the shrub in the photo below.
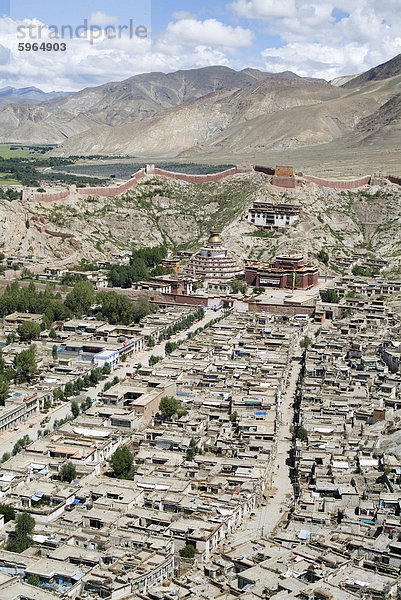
(188, 551)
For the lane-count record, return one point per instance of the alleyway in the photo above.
(268, 516)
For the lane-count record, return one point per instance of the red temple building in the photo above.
(285, 272)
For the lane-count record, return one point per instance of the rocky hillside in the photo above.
(181, 215)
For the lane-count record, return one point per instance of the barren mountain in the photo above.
(270, 115)
(112, 104)
(27, 95)
(216, 113)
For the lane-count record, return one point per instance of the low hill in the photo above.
(180, 214)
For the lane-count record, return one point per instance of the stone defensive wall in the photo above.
(337, 185)
(394, 179)
(266, 170)
(284, 181)
(113, 191)
(131, 183)
(45, 197)
(195, 178)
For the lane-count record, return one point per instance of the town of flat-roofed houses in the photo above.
(210, 428)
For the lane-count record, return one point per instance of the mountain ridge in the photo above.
(211, 112)
(116, 103)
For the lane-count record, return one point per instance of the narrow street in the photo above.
(278, 498)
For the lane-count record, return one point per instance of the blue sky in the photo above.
(318, 38)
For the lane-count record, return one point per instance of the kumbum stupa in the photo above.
(213, 261)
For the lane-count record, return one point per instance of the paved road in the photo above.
(159, 349)
(8, 438)
(268, 517)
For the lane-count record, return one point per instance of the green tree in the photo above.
(115, 308)
(24, 526)
(68, 472)
(238, 286)
(170, 347)
(4, 389)
(192, 450)
(323, 256)
(168, 406)
(94, 376)
(330, 296)
(234, 417)
(47, 404)
(81, 298)
(29, 331)
(68, 389)
(151, 343)
(33, 580)
(5, 457)
(302, 434)
(79, 383)
(74, 409)
(153, 360)
(188, 551)
(106, 369)
(54, 352)
(142, 308)
(25, 365)
(121, 462)
(58, 395)
(305, 342)
(7, 511)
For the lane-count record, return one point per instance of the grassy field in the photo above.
(21, 151)
(8, 151)
(6, 179)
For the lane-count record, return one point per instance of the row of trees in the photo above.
(80, 300)
(185, 323)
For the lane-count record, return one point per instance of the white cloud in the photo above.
(209, 32)
(100, 18)
(316, 44)
(264, 9)
(182, 14)
(89, 64)
(314, 59)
